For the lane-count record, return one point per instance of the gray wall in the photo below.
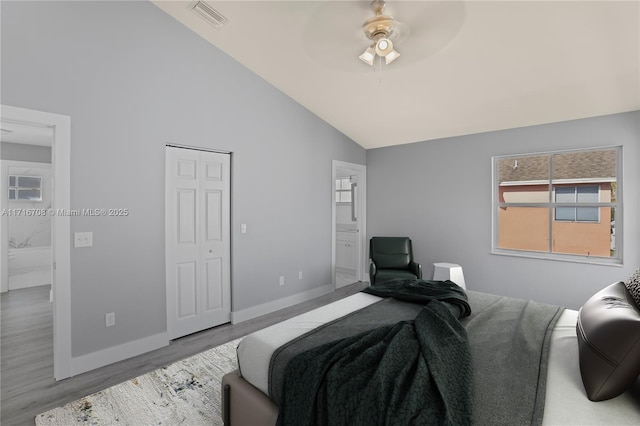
(23, 152)
(133, 79)
(439, 193)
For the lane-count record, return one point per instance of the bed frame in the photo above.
(244, 405)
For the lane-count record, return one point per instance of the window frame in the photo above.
(615, 260)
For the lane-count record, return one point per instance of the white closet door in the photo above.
(197, 240)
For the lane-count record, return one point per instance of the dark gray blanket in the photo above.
(508, 339)
(383, 313)
(413, 372)
(423, 292)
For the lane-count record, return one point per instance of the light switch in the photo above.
(83, 239)
(243, 228)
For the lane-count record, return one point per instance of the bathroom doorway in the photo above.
(349, 223)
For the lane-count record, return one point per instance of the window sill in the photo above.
(602, 261)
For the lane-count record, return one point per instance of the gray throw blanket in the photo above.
(412, 372)
(509, 341)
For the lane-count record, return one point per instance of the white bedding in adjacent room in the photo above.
(566, 402)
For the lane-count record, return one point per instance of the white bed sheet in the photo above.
(566, 402)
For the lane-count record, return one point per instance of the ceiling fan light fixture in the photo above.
(368, 55)
(384, 46)
(391, 56)
(379, 28)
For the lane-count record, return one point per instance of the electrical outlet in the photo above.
(83, 239)
(281, 280)
(110, 319)
(299, 275)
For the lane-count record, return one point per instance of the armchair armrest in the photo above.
(416, 268)
(372, 270)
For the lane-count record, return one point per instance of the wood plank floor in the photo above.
(27, 386)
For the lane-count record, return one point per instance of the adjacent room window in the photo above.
(25, 188)
(562, 205)
(343, 190)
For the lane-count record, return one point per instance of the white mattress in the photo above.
(566, 402)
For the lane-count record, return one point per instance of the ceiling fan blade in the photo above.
(432, 24)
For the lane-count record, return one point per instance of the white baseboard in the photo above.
(276, 305)
(98, 359)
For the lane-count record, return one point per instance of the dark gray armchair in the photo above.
(392, 257)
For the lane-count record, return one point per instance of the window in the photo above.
(562, 205)
(343, 190)
(25, 188)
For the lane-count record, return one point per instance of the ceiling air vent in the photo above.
(209, 13)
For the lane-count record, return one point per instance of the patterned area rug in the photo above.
(184, 393)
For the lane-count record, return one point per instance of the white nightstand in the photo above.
(449, 271)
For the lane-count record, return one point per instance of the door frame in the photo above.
(361, 214)
(61, 229)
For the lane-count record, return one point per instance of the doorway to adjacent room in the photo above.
(348, 223)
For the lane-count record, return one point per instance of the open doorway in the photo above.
(348, 223)
(28, 134)
(25, 230)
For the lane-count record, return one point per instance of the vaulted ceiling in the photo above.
(465, 66)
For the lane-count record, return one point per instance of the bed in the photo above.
(506, 387)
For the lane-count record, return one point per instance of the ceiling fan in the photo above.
(379, 28)
(334, 35)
